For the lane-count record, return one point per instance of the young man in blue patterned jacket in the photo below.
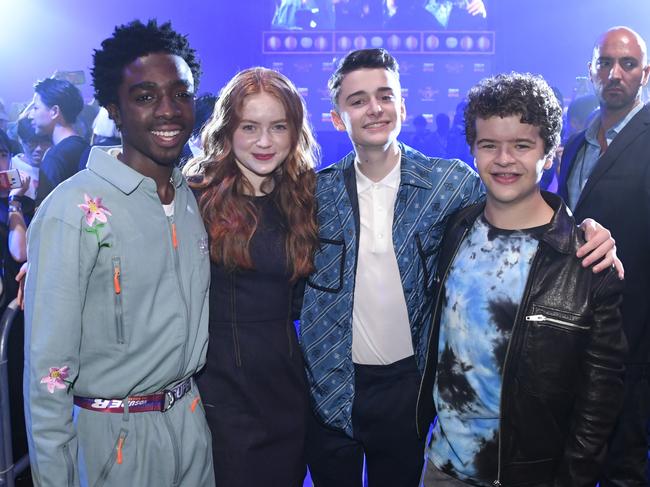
(367, 307)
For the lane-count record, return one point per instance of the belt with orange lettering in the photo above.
(161, 401)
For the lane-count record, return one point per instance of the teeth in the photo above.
(376, 124)
(166, 133)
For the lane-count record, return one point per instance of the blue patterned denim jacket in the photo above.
(430, 190)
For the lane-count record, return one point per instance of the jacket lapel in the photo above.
(630, 132)
(571, 150)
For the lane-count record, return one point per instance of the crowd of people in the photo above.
(204, 308)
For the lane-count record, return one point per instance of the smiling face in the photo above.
(262, 139)
(155, 110)
(370, 108)
(618, 70)
(509, 156)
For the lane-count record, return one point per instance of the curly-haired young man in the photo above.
(116, 291)
(528, 347)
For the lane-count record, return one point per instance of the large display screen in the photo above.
(443, 47)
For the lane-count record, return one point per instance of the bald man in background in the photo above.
(605, 175)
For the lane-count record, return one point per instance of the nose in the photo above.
(264, 139)
(374, 107)
(167, 107)
(504, 157)
(616, 71)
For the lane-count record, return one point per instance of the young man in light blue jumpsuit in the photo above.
(117, 288)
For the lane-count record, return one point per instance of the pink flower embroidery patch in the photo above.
(94, 210)
(56, 379)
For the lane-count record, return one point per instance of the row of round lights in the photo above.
(432, 42)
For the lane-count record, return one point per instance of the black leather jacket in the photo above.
(563, 374)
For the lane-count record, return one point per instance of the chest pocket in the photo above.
(116, 263)
(330, 264)
(554, 341)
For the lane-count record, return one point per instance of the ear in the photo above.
(114, 114)
(337, 121)
(548, 164)
(590, 73)
(646, 75)
(55, 112)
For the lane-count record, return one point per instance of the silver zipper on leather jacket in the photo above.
(541, 318)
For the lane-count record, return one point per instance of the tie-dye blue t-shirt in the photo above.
(481, 297)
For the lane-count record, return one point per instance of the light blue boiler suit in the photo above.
(116, 306)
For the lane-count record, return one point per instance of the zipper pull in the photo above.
(116, 280)
(120, 444)
(536, 318)
(496, 483)
(174, 239)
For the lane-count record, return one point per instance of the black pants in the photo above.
(626, 462)
(383, 419)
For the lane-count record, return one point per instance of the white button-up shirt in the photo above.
(380, 325)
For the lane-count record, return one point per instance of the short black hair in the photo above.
(523, 94)
(62, 93)
(128, 43)
(361, 59)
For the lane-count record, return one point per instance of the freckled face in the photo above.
(262, 140)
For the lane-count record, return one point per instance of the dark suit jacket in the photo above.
(617, 195)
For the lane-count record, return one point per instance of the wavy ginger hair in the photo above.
(229, 214)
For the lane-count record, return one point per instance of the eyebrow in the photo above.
(383, 89)
(245, 120)
(523, 139)
(150, 85)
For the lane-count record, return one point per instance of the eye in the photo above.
(248, 127)
(388, 97)
(185, 95)
(604, 64)
(629, 65)
(280, 127)
(522, 146)
(144, 98)
(357, 102)
(486, 146)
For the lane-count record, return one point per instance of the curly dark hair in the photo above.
(522, 94)
(129, 42)
(361, 59)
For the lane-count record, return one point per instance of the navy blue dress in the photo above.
(253, 387)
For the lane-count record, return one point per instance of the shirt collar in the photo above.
(391, 180)
(104, 162)
(592, 130)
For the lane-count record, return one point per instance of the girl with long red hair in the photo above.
(256, 195)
